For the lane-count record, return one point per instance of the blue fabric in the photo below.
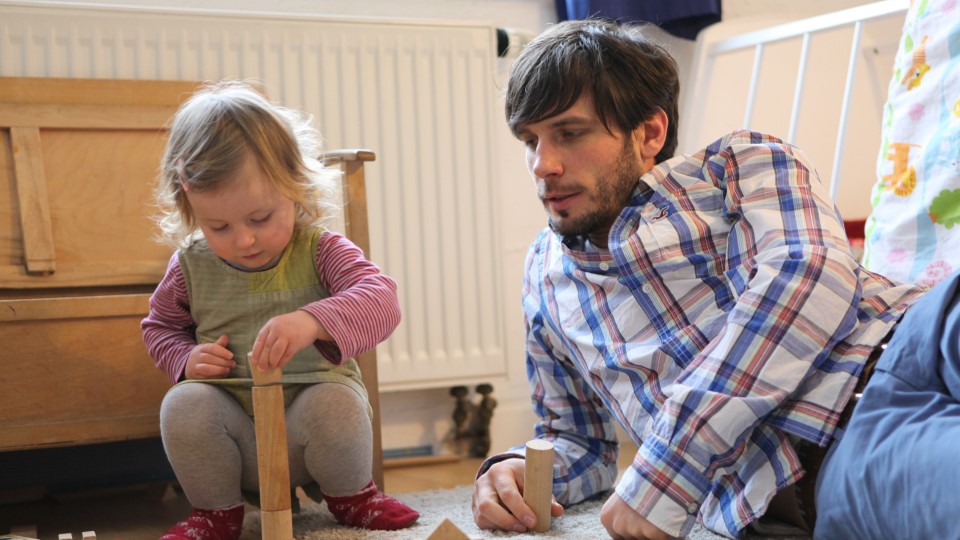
(894, 473)
(682, 18)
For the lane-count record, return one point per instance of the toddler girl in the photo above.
(243, 198)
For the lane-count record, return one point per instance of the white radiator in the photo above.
(421, 95)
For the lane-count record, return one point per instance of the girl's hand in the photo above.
(282, 337)
(210, 360)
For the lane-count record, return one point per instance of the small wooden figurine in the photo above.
(446, 530)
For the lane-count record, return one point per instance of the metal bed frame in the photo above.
(806, 30)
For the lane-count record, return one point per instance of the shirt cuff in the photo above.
(330, 350)
(672, 517)
(493, 460)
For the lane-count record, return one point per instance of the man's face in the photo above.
(584, 173)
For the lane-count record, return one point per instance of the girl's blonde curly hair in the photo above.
(211, 134)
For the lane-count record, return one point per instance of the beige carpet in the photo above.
(579, 522)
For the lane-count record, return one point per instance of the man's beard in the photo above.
(611, 197)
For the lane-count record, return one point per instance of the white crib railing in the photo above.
(832, 90)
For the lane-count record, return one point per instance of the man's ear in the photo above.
(651, 134)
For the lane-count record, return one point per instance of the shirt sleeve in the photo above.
(796, 287)
(571, 415)
(363, 308)
(169, 328)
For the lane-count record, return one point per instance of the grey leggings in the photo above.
(211, 444)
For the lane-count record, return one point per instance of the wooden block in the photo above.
(271, 431)
(446, 530)
(276, 524)
(263, 378)
(24, 531)
(538, 481)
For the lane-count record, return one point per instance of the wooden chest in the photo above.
(78, 259)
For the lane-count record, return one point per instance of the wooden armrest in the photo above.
(349, 154)
(351, 162)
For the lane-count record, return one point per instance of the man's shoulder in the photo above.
(740, 137)
(713, 163)
(727, 146)
(740, 146)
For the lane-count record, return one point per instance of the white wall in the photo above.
(423, 417)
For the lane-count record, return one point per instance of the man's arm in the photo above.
(572, 416)
(796, 293)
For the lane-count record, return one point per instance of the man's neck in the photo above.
(600, 238)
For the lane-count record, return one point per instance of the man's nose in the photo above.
(545, 161)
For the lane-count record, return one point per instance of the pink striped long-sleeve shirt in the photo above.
(361, 311)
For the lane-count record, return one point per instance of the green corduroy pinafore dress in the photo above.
(237, 303)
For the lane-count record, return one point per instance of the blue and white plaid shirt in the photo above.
(727, 316)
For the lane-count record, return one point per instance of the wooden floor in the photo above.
(146, 513)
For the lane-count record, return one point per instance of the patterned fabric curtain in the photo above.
(682, 18)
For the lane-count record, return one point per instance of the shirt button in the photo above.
(604, 266)
(691, 508)
(647, 288)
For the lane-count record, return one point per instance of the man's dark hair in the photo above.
(629, 76)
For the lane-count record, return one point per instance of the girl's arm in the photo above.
(362, 309)
(168, 330)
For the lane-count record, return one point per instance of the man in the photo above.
(712, 308)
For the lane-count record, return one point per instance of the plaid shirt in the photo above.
(727, 316)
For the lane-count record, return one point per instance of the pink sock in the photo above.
(370, 509)
(222, 524)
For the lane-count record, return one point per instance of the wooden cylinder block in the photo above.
(276, 524)
(272, 462)
(538, 481)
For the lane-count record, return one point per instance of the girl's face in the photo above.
(248, 222)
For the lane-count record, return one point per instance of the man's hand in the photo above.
(498, 499)
(210, 360)
(623, 523)
(282, 337)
